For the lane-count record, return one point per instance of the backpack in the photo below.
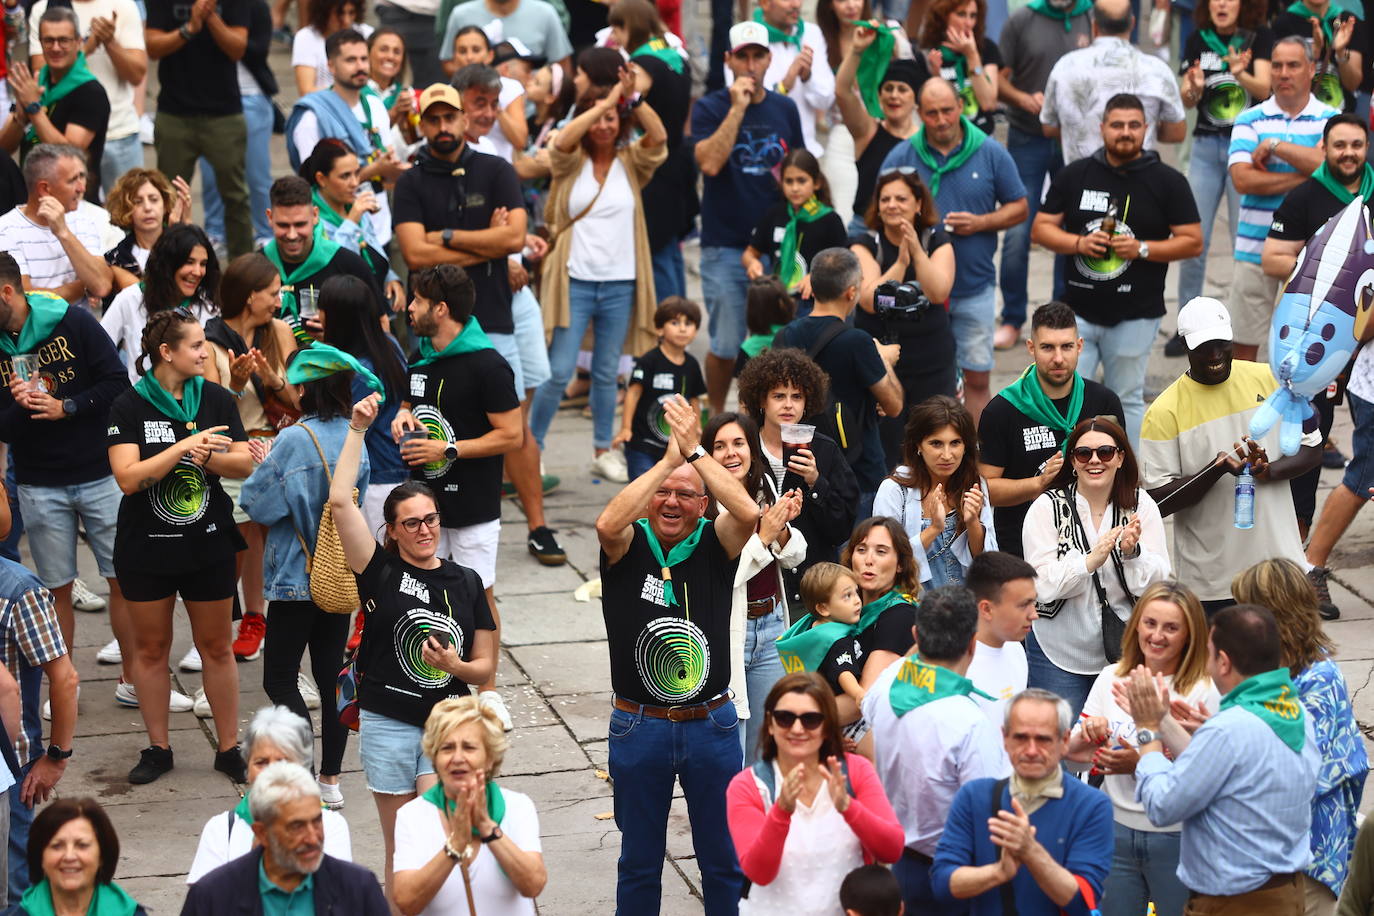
(333, 587)
(836, 419)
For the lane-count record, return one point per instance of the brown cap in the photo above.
(440, 92)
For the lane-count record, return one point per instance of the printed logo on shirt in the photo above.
(664, 381)
(757, 151)
(1094, 201)
(181, 497)
(673, 659)
(439, 428)
(158, 432)
(657, 418)
(417, 384)
(412, 631)
(112, 430)
(1109, 266)
(476, 199)
(652, 590)
(413, 587)
(1034, 438)
(1276, 226)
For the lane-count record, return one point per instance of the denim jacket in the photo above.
(286, 492)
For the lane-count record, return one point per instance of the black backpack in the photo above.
(837, 419)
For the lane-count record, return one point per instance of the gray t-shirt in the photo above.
(1031, 44)
(534, 22)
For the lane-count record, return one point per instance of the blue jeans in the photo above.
(1041, 672)
(257, 112)
(724, 286)
(638, 463)
(1144, 866)
(762, 668)
(606, 306)
(1123, 351)
(1209, 179)
(1035, 158)
(670, 277)
(646, 755)
(118, 157)
(21, 815)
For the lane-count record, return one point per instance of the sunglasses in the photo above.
(786, 718)
(1082, 454)
(412, 525)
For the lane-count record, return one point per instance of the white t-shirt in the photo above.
(419, 835)
(603, 240)
(999, 672)
(38, 252)
(219, 844)
(510, 91)
(128, 34)
(125, 319)
(307, 50)
(1362, 376)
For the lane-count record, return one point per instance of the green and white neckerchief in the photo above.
(791, 268)
(45, 311)
(1323, 177)
(679, 552)
(245, 813)
(1273, 698)
(183, 411)
(918, 683)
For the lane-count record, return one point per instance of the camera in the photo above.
(894, 300)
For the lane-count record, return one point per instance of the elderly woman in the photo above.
(274, 733)
(466, 838)
(73, 845)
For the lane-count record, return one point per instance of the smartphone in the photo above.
(442, 637)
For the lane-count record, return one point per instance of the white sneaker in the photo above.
(492, 700)
(202, 705)
(309, 692)
(331, 796)
(83, 599)
(610, 466)
(47, 705)
(191, 660)
(127, 695)
(145, 130)
(110, 654)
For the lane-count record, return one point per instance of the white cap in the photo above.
(1203, 319)
(749, 32)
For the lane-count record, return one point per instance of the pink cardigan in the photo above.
(759, 836)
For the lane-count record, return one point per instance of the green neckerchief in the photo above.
(973, 139)
(323, 360)
(1324, 178)
(73, 79)
(331, 216)
(185, 303)
(321, 253)
(469, 340)
(870, 611)
(657, 47)
(1272, 697)
(803, 646)
(776, 35)
(45, 311)
(873, 65)
(1333, 12)
(755, 344)
(918, 683)
(183, 411)
(1044, 9)
(391, 95)
(961, 83)
(1213, 41)
(108, 900)
(1026, 395)
(789, 271)
(679, 552)
(496, 801)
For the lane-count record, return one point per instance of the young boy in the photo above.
(825, 640)
(660, 373)
(871, 890)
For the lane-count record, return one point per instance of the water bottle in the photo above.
(1245, 499)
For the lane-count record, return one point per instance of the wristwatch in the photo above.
(451, 451)
(1144, 736)
(1144, 251)
(696, 453)
(69, 406)
(1273, 143)
(495, 834)
(56, 753)
(33, 108)
(447, 236)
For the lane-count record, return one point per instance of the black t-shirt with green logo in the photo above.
(659, 378)
(1223, 98)
(185, 521)
(662, 655)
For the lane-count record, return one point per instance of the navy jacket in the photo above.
(341, 889)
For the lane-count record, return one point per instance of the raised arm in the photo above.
(860, 124)
(358, 542)
(571, 135)
(613, 524)
(734, 528)
(714, 152)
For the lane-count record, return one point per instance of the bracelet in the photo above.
(357, 429)
(450, 852)
(185, 33)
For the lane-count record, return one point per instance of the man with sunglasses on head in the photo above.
(1193, 442)
(667, 575)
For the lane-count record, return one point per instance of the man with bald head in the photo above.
(667, 575)
(1082, 81)
(978, 190)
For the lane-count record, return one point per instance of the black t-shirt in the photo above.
(1326, 85)
(1305, 210)
(403, 605)
(431, 195)
(662, 655)
(346, 263)
(869, 164)
(660, 378)
(1222, 97)
(670, 197)
(844, 655)
(1010, 440)
(991, 55)
(198, 79)
(1149, 197)
(891, 632)
(451, 397)
(812, 238)
(86, 106)
(13, 191)
(185, 521)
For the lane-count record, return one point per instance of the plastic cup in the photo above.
(795, 436)
(411, 435)
(308, 300)
(25, 365)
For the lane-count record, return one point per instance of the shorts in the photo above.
(234, 489)
(973, 319)
(50, 515)
(217, 582)
(473, 546)
(1359, 473)
(390, 754)
(1253, 295)
(374, 501)
(724, 286)
(529, 337)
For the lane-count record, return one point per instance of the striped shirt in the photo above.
(1257, 125)
(29, 639)
(38, 252)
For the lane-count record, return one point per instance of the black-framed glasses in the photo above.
(786, 718)
(412, 525)
(1082, 454)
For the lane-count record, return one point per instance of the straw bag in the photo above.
(333, 587)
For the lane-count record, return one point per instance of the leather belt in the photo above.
(760, 607)
(674, 713)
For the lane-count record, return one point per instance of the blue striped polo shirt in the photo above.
(1255, 126)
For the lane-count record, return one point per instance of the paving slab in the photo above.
(587, 715)
(562, 668)
(551, 617)
(543, 749)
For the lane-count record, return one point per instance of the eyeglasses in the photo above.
(682, 495)
(900, 170)
(786, 718)
(62, 41)
(412, 525)
(1082, 454)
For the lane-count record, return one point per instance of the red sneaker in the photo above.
(356, 639)
(248, 645)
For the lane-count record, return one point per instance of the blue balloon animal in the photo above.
(1318, 321)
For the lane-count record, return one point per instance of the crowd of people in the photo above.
(902, 638)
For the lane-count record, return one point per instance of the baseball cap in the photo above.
(743, 34)
(440, 92)
(1203, 319)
